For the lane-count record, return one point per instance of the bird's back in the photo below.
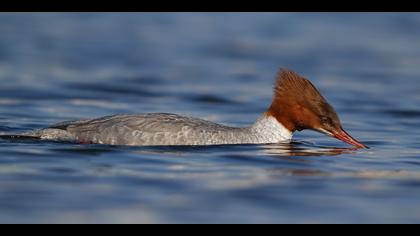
(142, 129)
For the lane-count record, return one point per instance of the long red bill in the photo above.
(345, 137)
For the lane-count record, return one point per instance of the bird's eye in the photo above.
(325, 119)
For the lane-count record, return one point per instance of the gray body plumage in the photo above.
(163, 129)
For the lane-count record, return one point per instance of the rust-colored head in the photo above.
(298, 105)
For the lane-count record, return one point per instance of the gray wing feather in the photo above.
(143, 129)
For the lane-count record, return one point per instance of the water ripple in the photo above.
(55, 67)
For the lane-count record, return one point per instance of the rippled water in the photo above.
(56, 67)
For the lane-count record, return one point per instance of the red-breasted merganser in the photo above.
(296, 105)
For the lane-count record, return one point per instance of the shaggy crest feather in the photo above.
(291, 85)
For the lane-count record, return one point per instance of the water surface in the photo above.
(56, 67)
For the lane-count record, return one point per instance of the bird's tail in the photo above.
(40, 134)
(19, 137)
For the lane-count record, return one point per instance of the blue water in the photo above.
(56, 67)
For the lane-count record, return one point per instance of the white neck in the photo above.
(268, 130)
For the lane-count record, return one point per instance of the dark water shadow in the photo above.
(208, 99)
(299, 148)
(402, 113)
(112, 89)
(250, 152)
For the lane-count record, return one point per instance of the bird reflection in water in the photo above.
(297, 148)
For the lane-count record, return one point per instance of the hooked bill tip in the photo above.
(345, 137)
